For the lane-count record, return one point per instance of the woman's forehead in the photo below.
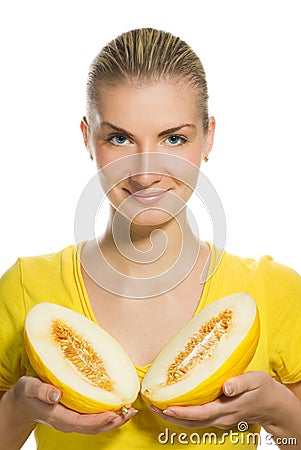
(172, 103)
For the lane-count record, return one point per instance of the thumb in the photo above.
(242, 383)
(42, 391)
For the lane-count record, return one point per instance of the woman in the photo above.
(147, 129)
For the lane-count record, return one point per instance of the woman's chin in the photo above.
(152, 218)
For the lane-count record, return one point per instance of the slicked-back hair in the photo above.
(145, 56)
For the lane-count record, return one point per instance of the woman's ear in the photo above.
(209, 137)
(84, 126)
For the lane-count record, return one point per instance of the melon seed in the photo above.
(200, 346)
(81, 355)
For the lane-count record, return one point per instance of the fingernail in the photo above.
(110, 419)
(167, 412)
(154, 409)
(229, 389)
(54, 396)
(132, 414)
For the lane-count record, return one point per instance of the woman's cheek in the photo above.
(103, 159)
(194, 156)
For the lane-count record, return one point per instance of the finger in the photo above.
(190, 417)
(35, 388)
(248, 381)
(179, 418)
(185, 412)
(67, 420)
(220, 407)
(110, 424)
(208, 411)
(100, 419)
(125, 417)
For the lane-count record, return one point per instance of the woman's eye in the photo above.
(118, 139)
(175, 140)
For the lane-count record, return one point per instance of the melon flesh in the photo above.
(192, 367)
(91, 368)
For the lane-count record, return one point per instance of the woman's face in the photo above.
(148, 121)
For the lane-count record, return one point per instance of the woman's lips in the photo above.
(148, 196)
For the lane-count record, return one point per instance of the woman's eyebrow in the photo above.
(175, 129)
(118, 129)
(162, 133)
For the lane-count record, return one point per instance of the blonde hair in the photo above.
(146, 56)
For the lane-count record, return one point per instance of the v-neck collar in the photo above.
(85, 301)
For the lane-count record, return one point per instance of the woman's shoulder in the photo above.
(264, 275)
(38, 274)
(265, 266)
(51, 258)
(41, 261)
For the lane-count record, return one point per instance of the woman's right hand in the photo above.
(39, 402)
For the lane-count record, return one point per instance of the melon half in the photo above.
(92, 370)
(216, 344)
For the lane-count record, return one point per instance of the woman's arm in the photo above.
(293, 425)
(14, 429)
(278, 406)
(253, 397)
(31, 401)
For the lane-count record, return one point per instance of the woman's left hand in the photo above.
(253, 397)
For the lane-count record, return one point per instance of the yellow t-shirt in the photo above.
(57, 278)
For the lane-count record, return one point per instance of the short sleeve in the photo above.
(283, 311)
(12, 317)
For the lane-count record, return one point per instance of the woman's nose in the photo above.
(145, 170)
(144, 180)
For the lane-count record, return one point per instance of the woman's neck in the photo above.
(135, 250)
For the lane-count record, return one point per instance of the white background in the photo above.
(251, 52)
